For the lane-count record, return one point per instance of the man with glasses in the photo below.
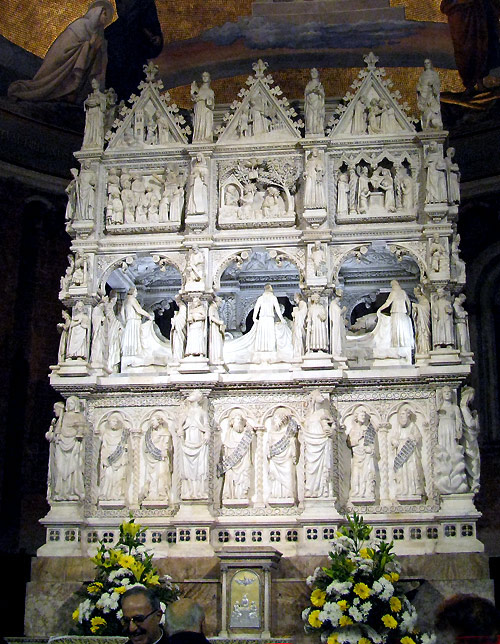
(141, 616)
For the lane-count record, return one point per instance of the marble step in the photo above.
(339, 12)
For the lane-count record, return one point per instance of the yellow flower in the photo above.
(130, 528)
(407, 640)
(395, 604)
(391, 576)
(126, 561)
(362, 590)
(366, 553)
(151, 579)
(120, 590)
(333, 639)
(94, 587)
(389, 621)
(314, 619)
(75, 615)
(318, 597)
(342, 604)
(345, 621)
(137, 568)
(96, 623)
(364, 640)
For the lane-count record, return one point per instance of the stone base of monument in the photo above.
(194, 364)
(444, 355)
(50, 598)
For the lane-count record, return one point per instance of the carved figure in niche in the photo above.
(318, 259)
(79, 273)
(421, 314)
(343, 194)
(407, 190)
(111, 108)
(359, 123)
(299, 315)
(72, 192)
(457, 264)
(437, 254)
(406, 443)
(195, 269)
(470, 436)
(259, 118)
(153, 192)
(231, 196)
(428, 98)
(314, 193)
(63, 328)
(157, 460)
(78, 334)
(177, 203)
(361, 437)
(128, 198)
(363, 189)
(98, 350)
(449, 463)
(273, 205)
(178, 331)
(318, 447)
(282, 455)
(382, 179)
(114, 458)
(388, 121)
(442, 319)
(314, 105)
(196, 328)
(197, 186)
(337, 326)
(452, 177)
(138, 188)
(401, 329)
(217, 330)
(114, 206)
(236, 456)
(86, 192)
(374, 112)
(436, 175)
(163, 130)
(244, 122)
(247, 209)
(66, 433)
(95, 109)
(204, 102)
(152, 131)
(194, 440)
(317, 325)
(461, 324)
(114, 331)
(76, 56)
(132, 314)
(265, 310)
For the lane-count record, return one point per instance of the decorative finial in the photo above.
(371, 61)
(151, 71)
(259, 68)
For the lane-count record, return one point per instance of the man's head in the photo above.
(141, 615)
(184, 615)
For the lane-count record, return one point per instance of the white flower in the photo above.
(408, 621)
(428, 638)
(104, 602)
(119, 614)
(355, 614)
(84, 610)
(350, 635)
(163, 608)
(365, 609)
(332, 612)
(121, 572)
(343, 544)
(305, 613)
(339, 587)
(387, 588)
(312, 578)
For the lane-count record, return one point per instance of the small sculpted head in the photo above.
(205, 77)
(405, 415)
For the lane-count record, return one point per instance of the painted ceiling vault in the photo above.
(225, 36)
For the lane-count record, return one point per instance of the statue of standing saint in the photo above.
(236, 457)
(217, 330)
(314, 191)
(314, 104)
(428, 97)
(361, 438)
(95, 109)
(266, 307)
(204, 102)
(157, 460)
(194, 434)
(318, 447)
(282, 456)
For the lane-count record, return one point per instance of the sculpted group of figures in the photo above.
(113, 337)
(180, 453)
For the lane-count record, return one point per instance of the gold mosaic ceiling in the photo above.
(34, 24)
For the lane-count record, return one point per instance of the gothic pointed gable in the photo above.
(149, 119)
(262, 114)
(370, 107)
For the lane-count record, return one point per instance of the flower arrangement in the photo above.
(119, 567)
(357, 599)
